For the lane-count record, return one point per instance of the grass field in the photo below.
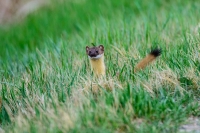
(46, 83)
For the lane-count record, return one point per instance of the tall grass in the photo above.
(46, 84)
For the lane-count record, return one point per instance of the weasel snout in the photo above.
(93, 53)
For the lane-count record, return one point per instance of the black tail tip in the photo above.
(156, 52)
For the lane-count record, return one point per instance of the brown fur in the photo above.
(96, 55)
(144, 62)
(94, 51)
(98, 66)
(148, 59)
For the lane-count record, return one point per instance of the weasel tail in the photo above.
(148, 59)
(96, 57)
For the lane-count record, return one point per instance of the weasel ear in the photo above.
(101, 47)
(87, 49)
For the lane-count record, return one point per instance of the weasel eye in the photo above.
(90, 52)
(97, 51)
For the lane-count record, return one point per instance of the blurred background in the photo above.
(27, 24)
(43, 65)
(12, 10)
(16, 32)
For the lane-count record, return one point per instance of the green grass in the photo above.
(45, 75)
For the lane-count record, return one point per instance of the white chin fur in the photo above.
(97, 57)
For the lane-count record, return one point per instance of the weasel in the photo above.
(148, 59)
(96, 56)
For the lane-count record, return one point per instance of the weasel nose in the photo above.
(92, 55)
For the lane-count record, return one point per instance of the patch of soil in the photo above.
(17, 9)
(192, 126)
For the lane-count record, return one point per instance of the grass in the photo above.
(46, 84)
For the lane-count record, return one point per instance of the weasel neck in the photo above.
(98, 66)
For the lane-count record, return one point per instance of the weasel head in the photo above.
(95, 52)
